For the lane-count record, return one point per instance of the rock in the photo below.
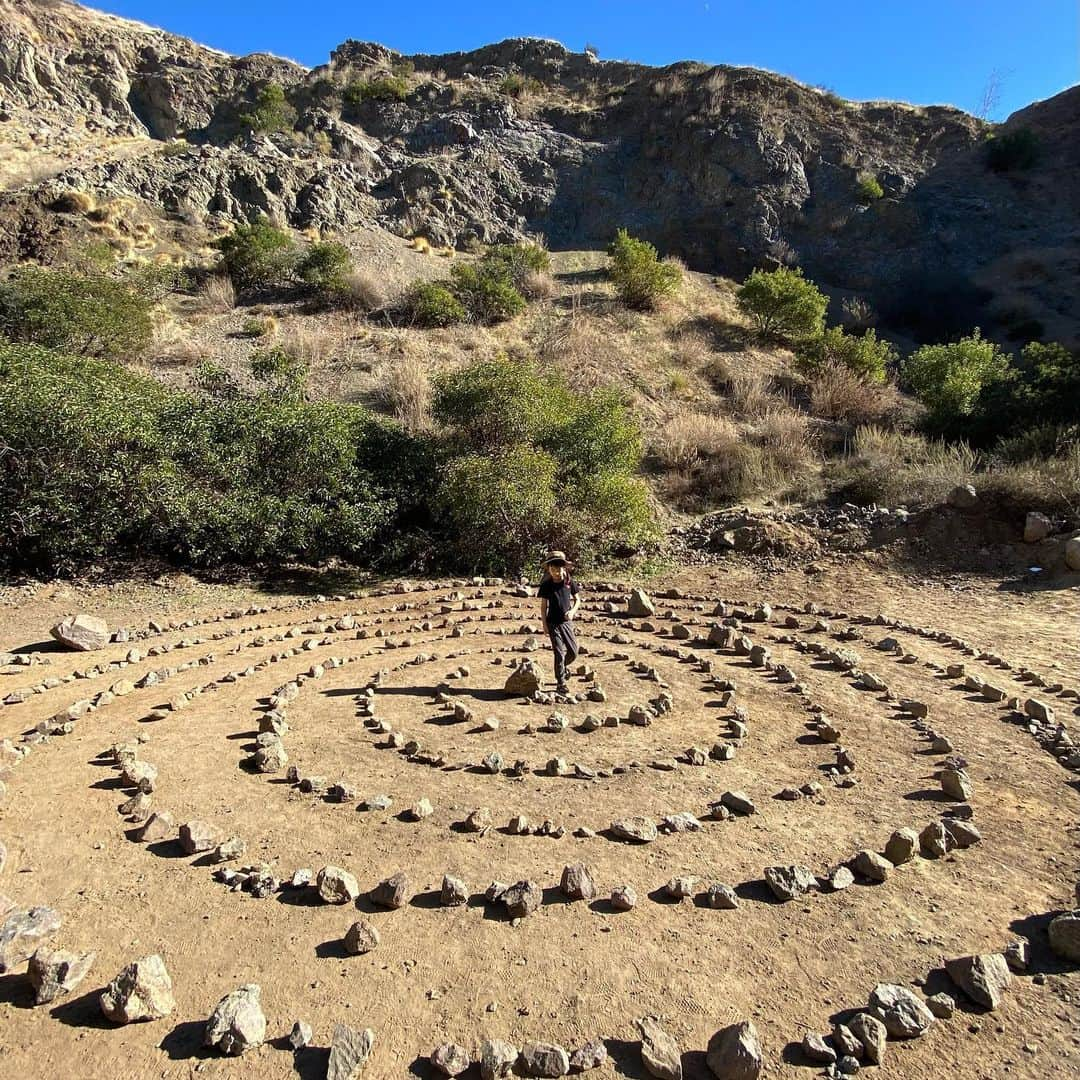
(336, 886)
(817, 1049)
(872, 865)
(590, 1056)
(734, 1052)
(83, 633)
(941, 1005)
(22, 932)
(759, 656)
(963, 497)
(419, 810)
(360, 938)
(984, 978)
(577, 882)
(1064, 933)
(159, 826)
(722, 897)
(454, 892)
(848, 1065)
(902, 846)
(1072, 553)
(934, 840)
(522, 899)
(394, 892)
(228, 850)
(660, 1052)
(142, 991)
(544, 1059)
(639, 604)
(678, 888)
(300, 1036)
(788, 882)
(1039, 710)
(872, 1033)
(902, 1013)
(738, 802)
(846, 1043)
(197, 837)
(962, 834)
(349, 1051)
(642, 830)
(54, 974)
(525, 679)
(479, 821)
(1037, 527)
(450, 1059)
(497, 1059)
(956, 784)
(623, 898)
(237, 1024)
(841, 878)
(270, 758)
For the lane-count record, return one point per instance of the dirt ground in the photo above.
(570, 972)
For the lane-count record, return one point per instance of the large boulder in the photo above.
(525, 679)
(238, 1023)
(734, 1052)
(82, 632)
(142, 991)
(639, 604)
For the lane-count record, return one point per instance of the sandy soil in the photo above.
(571, 971)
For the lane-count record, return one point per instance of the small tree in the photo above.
(782, 303)
(325, 268)
(85, 314)
(641, 279)
(948, 378)
(257, 256)
(862, 354)
(270, 112)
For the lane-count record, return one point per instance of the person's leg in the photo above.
(558, 647)
(570, 641)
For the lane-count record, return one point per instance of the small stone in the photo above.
(848, 1065)
(841, 878)
(478, 821)
(450, 1059)
(497, 1059)
(337, 886)
(639, 829)
(360, 938)
(394, 892)
(902, 1013)
(522, 899)
(419, 810)
(590, 1056)
(1064, 933)
(934, 840)
(962, 834)
(623, 898)
(788, 882)
(300, 1036)
(54, 974)
(237, 1024)
(660, 1052)
(722, 897)
(984, 978)
(902, 846)
(872, 1033)
(84, 633)
(577, 882)
(349, 1051)
(678, 888)
(544, 1059)
(872, 865)
(845, 1041)
(197, 837)
(228, 850)
(454, 892)
(142, 991)
(956, 784)
(22, 932)
(734, 1052)
(817, 1049)
(941, 1005)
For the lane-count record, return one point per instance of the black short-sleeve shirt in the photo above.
(560, 597)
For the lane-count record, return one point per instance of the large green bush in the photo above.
(782, 303)
(88, 314)
(324, 268)
(640, 278)
(861, 353)
(948, 378)
(377, 88)
(432, 304)
(486, 290)
(258, 256)
(270, 111)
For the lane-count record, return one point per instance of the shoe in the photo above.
(562, 688)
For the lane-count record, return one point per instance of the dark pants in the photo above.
(564, 645)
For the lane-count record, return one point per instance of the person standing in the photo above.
(559, 603)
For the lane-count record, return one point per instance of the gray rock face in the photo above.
(450, 1059)
(660, 1052)
(902, 1013)
(349, 1051)
(54, 974)
(497, 1059)
(336, 886)
(788, 882)
(984, 978)
(237, 1024)
(142, 991)
(83, 633)
(544, 1059)
(22, 931)
(734, 1052)
(360, 938)
(1064, 933)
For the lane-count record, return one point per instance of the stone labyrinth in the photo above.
(500, 877)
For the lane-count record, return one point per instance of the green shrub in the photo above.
(325, 268)
(517, 85)
(947, 379)
(432, 304)
(782, 303)
(486, 290)
(270, 112)
(379, 88)
(520, 260)
(258, 256)
(88, 314)
(641, 279)
(862, 354)
(868, 188)
(1012, 150)
(284, 374)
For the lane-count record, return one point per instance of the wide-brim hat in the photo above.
(558, 558)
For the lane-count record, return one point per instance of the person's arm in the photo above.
(576, 604)
(543, 611)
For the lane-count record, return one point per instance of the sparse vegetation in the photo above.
(640, 278)
(782, 303)
(432, 304)
(516, 85)
(325, 268)
(868, 188)
(377, 88)
(1012, 150)
(486, 290)
(270, 112)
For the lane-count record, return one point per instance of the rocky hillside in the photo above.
(727, 167)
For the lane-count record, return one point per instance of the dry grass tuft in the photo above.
(537, 285)
(217, 294)
(837, 393)
(364, 292)
(406, 392)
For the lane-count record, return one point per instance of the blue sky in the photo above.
(913, 50)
